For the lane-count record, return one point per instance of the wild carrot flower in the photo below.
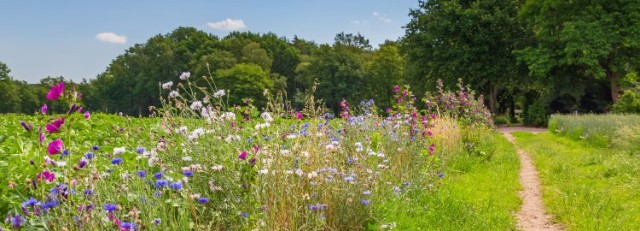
(55, 147)
(56, 91)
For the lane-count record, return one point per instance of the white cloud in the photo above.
(227, 24)
(380, 17)
(110, 37)
(359, 22)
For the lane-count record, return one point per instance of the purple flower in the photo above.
(44, 109)
(203, 200)
(161, 183)
(82, 163)
(31, 202)
(95, 148)
(140, 150)
(142, 173)
(440, 175)
(73, 108)
(365, 202)
(41, 138)
(89, 155)
(396, 88)
(187, 173)
(156, 221)
(243, 155)
(127, 226)
(158, 175)
(88, 192)
(26, 126)
(116, 161)
(87, 115)
(243, 214)
(176, 186)
(55, 126)
(17, 220)
(56, 91)
(50, 204)
(110, 207)
(49, 176)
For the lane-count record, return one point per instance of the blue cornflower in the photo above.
(31, 202)
(95, 148)
(116, 161)
(65, 152)
(140, 150)
(142, 173)
(158, 175)
(156, 221)
(440, 175)
(50, 204)
(161, 183)
(187, 173)
(203, 200)
(176, 185)
(127, 226)
(365, 202)
(243, 214)
(89, 155)
(17, 221)
(157, 193)
(88, 192)
(110, 207)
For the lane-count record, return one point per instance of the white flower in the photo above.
(118, 151)
(167, 85)
(261, 126)
(187, 158)
(359, 147)
(61, 163)
(312, 175)
(185, 75)
(219, 93)
(266, 116)
(299, 172)
(174, 94)
(196, 105)
(229, 115)
(263, 171)
(196, 133)
(217, 168)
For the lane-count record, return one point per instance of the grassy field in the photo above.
(584, 186)
(475, 193)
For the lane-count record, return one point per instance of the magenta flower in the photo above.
(396, 88)
(243, 155)
(49, 176)
(41, 138)
(299, 115)
(55, 147)
(72, 108)
(26, 126)
(87, 115)
(55, 126)
(56, 91)
(43, 109)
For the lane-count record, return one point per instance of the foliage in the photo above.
(580, 182)
(461, 104)
(502, 120)
(537, 114)
(629, 101)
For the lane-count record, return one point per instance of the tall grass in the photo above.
(598, 130)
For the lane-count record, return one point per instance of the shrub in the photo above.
(629, 102)
(536, 114)
(502, 120)
(461, 105)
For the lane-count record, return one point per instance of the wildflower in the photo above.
(203, 200)
(82, 163)
(142, 173)
(95, 147)
(161, 183)
(187, 173)
(56, 91)
(366, 192)
(185, 75)
(140, 150)
(440, 175)
(116, 161)
(174, 94)
(72, 108)
(55, 147)
(243, 214)
(176, 186)
(263, 171)
(26, 126)
(158, 175)
(55, 126)
(127, 226)
(89, 155)
(217, 168)
(298, 115)
(243, 155)
(156, 221)
(167, 85)
(118, 151)
(266, 116)
(88, 192)
(110, 207)
(87, 115)
(196, 105)
(50, 204)
(30, 203)
(43, 109)
(396, 88)
(219, 93)
(17, 220)
(41, 138)
(365, 202)
(299, 172)
(312, 175)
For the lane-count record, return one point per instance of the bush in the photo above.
(537, 114)
(629, 102)
(461, 105)
(502, 120)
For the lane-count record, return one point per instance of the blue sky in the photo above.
(78, 39)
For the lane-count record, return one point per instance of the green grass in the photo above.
(476, 193)
(586, 187)
(599, 130)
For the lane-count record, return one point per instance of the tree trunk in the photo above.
(493, 99)
(613, 77)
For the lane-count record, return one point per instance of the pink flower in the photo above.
(55, 147)
(43, 109)
(396, 88)
(41, 138)
(49, 176)
(55, 126)
(56, 91)
(299, 115)
(243, 155)
(87, 115)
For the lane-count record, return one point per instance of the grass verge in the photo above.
(586, 187)
(475, 193)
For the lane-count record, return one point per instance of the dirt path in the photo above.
(532, 215)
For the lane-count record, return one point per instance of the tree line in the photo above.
(533, 56)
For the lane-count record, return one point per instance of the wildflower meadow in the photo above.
(201, 164)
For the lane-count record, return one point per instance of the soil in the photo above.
(532, 215)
